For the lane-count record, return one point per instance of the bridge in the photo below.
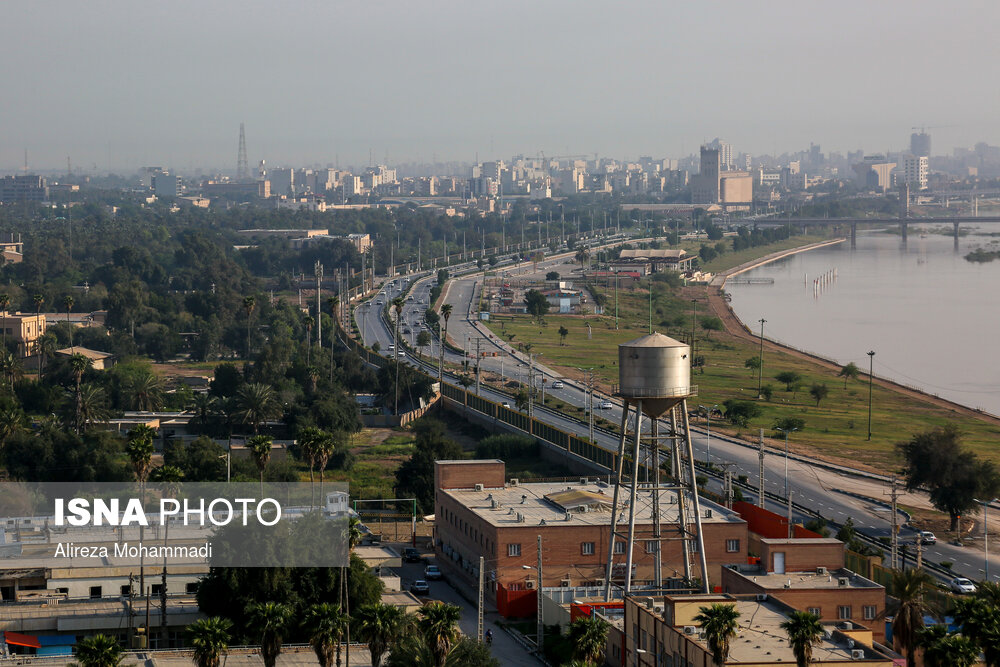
(955, 220)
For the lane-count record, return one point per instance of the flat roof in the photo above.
(501, 506)
(810, 580)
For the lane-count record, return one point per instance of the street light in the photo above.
(708, 447)
(871, 370)
(986, 535)
(760, 371)
(786, 431)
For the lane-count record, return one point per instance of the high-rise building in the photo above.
(725, 152)
(23, 188)
(920, 144)
(166, 185)
(914, 170)
(705, 186)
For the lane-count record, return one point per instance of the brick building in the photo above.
(478, 513)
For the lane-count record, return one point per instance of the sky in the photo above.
(123, 84)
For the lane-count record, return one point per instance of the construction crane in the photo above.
(923, 128)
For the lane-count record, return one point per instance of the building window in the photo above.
(732, 546)
(619, 547)
(844, 612)
(126, 591)
(95, 591)
(815, 611)
(870, 612)
(651, 546)
(513, 549)
(191, 587)
(587, 548)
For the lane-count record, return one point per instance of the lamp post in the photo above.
(986, 536)
(871, 370)
(786, 431)
(760, 371)
(708, 447)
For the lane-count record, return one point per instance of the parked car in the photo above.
(411, 555)
(926, 537)
(432, 572)
(606, 405)
(420, 587)
(962, 586)
(391, 347)
(558, 384)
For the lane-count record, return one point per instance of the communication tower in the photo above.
(242, 167)
(655, 381)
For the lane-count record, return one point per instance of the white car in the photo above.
(558, 384)
(962, 586)
(927, 537)
(391, 347)
(606, 405)
(506, 405)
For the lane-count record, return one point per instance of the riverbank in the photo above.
(720, 306)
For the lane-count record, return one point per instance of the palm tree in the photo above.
(908, 587)
(326, 447)
(11, 421)
(204, 404)
(38, 299)
(10, 367)
(140, 451)
(309, 444)
(4, 306)
(91, 407)
(988, 591)
(257, 403)
(145, 393)
(260, 451)
(719, 623)
(270, 620)
(249, 303)
(210, 639)
(947, 649)
(446, 314)
(326, 624)
(589, 636)
(334, 303)
(67, 302)
(78, 364)
(46, 347)
(850, 371)
(804, 631)
(308, 321)
(979, 621)
(99, 651)
(439, 626)
(379, 625)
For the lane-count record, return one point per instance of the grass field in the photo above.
(837, 428)
(377, 454)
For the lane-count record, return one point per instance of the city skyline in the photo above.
(118, 86)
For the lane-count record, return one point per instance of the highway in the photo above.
(814, 486)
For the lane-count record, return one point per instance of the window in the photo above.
(95, 591)
(870, 612)
(815, 611)
(587, 548)
(513, 549)
(619, 547)
(844, 612)
(191, 587)
(157, 590)
(732, 546)
(651, 546)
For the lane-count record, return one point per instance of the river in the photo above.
(929, 315)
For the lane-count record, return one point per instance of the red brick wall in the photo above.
(466, 474)
(768, 524)
(803, 555)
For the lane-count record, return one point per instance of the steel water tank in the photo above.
(654, 366)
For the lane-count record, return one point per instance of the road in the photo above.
(811, 485)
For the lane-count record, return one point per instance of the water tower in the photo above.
(655, 381)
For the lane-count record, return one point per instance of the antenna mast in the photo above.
(242, 167)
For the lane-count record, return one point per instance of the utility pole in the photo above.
(760, 471)
(479, 634)
(871, 371)
(727, 483)
(318, 268)
(478, 357)
(791, 526)
(760, 371)
(540, 627)
(894, 551)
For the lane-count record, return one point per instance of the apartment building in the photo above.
(24, 329)
(28, 187)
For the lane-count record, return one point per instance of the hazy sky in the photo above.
(167, 83)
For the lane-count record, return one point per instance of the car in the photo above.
(432, 572)
(378, 303)
(406, 329)
(558, 384)
(926, 537)
(420, 587)
(962, 586)
(606, 405)
(411, 555)
(391, 347)
(506, 404)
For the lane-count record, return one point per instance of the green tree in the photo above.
(439, 626)
(537, 304)
(270, 621)
(139, 449)
(720, 622)
(739, 413)
(423, 339)
(326, 624)
(790, 379)
(12, 422)
(379, 625)
(249, 303)
(145, 392)
(209, 637)
(91, 406)
(257, 404)
(804, 631)
(260, 452)
(10, 367)
(849, 372)
(47, 345)
(819, 392)
(4, 306)
(980, 622)
(589, 637)
(947, 649)
(78, 364)
(99, 651)
(308, 322)
(955, 477)
(790, 423)
(563, 332)
(908, 588)
(552, 275)
(38, 299)
(67, 302)
(415, 476)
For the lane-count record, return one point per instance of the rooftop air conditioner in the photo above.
(761, 597)
(529, 585)
(479, 487)
(658, 608)
(514, 481)
(708, 514)
(844, 625)
(843, 581)
(565, 583)
(599, 583)
(821, 570)
(569, 516)
(584, 480)
(690, 629)
(857, 654)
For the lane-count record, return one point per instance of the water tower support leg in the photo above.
(678, 473)
(619, 467)
(654, 450)
(632, 493)
(697, 504)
